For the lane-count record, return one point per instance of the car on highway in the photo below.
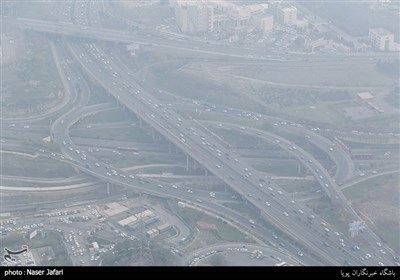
(286, 214)
(300, 253)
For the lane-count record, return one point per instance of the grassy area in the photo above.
(314, 73)
(356, 145)
(285, 96)
(113, 115)
(97, 94)
(15, 165)
(222, 232)
(376, 201)
(361, 189)
(334, 216)
(304, 187)
(236, 138)
(145, 159)
(243, 209)
(38, 10)
(210, 116)
(129, 159)
(133, 134)
(170, 78)
(30, 86)
(278, 170)
(321, 112)
(390, 233)
(225, 232)
(203, 238)
(383, 123)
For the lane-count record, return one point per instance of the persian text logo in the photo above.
(8, 257)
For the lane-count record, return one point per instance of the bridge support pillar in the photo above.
(140, 123)
(169, 147)
(187, 162)
(108, 188)
(194, 165)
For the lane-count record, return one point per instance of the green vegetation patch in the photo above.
(112, 115)
(132, 134)
(16, 165)
(220, 229)
(198, 87)
(279, 169)
(32, 82)
(38, 10)
(136, 252)
(244, 209)
(324, 74)
(236, 138)
(361, 190)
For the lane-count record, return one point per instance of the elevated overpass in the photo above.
(169, 124)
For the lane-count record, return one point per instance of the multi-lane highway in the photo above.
(177, 131)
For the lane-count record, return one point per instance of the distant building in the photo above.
(152, 233)
(381, 39)
(365, 95)
(263, 22)
(132, 48)
(33, 234)
(199, 16)
(194, 16)
(163, 228)
(287, 15)
(95, 246)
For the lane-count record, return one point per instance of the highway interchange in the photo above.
(274, 204)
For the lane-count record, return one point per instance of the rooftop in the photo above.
(381, 31)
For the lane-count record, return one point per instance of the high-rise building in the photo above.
(287, 15)
(199, 16)
(381, 39)
(194, 16)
